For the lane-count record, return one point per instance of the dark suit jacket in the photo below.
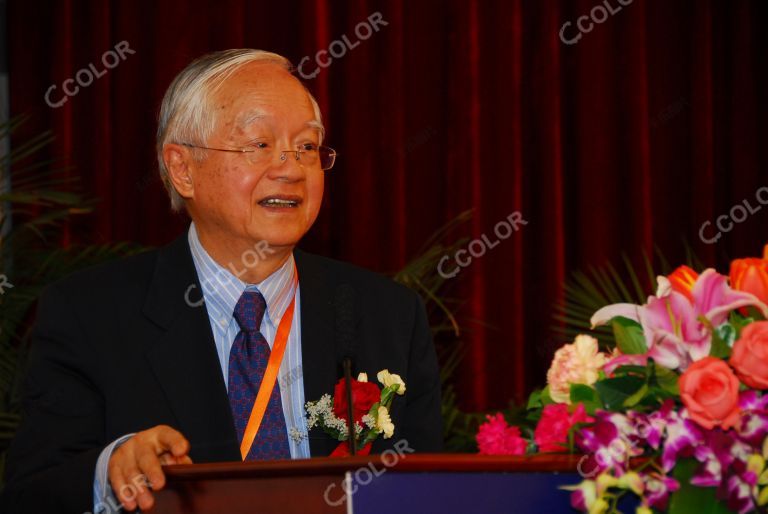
(118, 349)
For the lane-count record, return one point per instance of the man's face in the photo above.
(263, 106)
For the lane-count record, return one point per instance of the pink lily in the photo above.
(678, 330)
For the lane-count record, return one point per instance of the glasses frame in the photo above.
(331, 152)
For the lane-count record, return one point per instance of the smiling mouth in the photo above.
(281, 202)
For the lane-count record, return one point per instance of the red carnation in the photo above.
(364, 395)
(552, 430)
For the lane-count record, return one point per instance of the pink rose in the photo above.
(496, 437)
(750, 355)
(551, 434)
(710, 391)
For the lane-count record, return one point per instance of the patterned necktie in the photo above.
(247, 363)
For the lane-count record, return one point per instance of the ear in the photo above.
(180, 165)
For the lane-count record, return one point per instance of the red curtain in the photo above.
(648, 126)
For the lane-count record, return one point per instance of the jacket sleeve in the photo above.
(51, 461)
(423, 423)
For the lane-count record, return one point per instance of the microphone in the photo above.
(347, 363)
(345, 301)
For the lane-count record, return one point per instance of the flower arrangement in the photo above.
(370, 409)
(676, 412)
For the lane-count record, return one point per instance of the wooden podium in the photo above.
(387, 483)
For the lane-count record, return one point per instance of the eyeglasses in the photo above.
(308, 154)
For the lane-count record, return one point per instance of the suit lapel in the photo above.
(318, 352)
(185, 362)
(184, 358)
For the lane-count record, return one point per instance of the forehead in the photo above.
(263, 93)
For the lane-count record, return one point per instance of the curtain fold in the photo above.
(649, 126)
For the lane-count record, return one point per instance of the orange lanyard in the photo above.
(270, 375)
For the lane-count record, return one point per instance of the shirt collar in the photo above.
(222, 288)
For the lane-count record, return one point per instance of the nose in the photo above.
(289, 168)
(297, 154)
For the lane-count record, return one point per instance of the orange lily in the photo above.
(682, 280)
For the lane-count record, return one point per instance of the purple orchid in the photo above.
(727, 461)
(716, 453)
(753, 427)
(725, 464)
(683, 435)
(651, 427)
(658, 487)
(678, 330)
(740, 495)
(648, 428)
(611, 441)
(710, 472)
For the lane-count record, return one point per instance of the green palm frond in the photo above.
(42, 267)
(587, 292)
(42, 199)
(421, 275)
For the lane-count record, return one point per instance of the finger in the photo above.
(128, 494)
(140, 487)
(138, 480)
(167, 459)
(149, 464)
(186, 459)
(172, 440)
(118, 482)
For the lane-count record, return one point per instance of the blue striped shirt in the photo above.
(221, 289)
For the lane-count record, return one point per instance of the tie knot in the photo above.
(249, 311)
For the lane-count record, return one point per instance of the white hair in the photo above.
(185, 113)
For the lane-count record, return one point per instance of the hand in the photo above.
(135, 467)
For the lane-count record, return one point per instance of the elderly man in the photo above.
(158, 358)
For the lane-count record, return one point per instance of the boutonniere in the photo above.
(370, 409)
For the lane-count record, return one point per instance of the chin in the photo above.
(280, 238)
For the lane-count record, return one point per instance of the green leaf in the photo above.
(667, 379)
(546, 398)
(631, 369)
(690, 498)
(387, 394)
(615, 391)
(727, 333)
(722, 339)
(373, 411)
(754, 313)
(629, 336)
(581, 393)
(634, 399)
(656, 396)
(739, 322)
(534, 400)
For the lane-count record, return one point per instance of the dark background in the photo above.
(650, 125)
